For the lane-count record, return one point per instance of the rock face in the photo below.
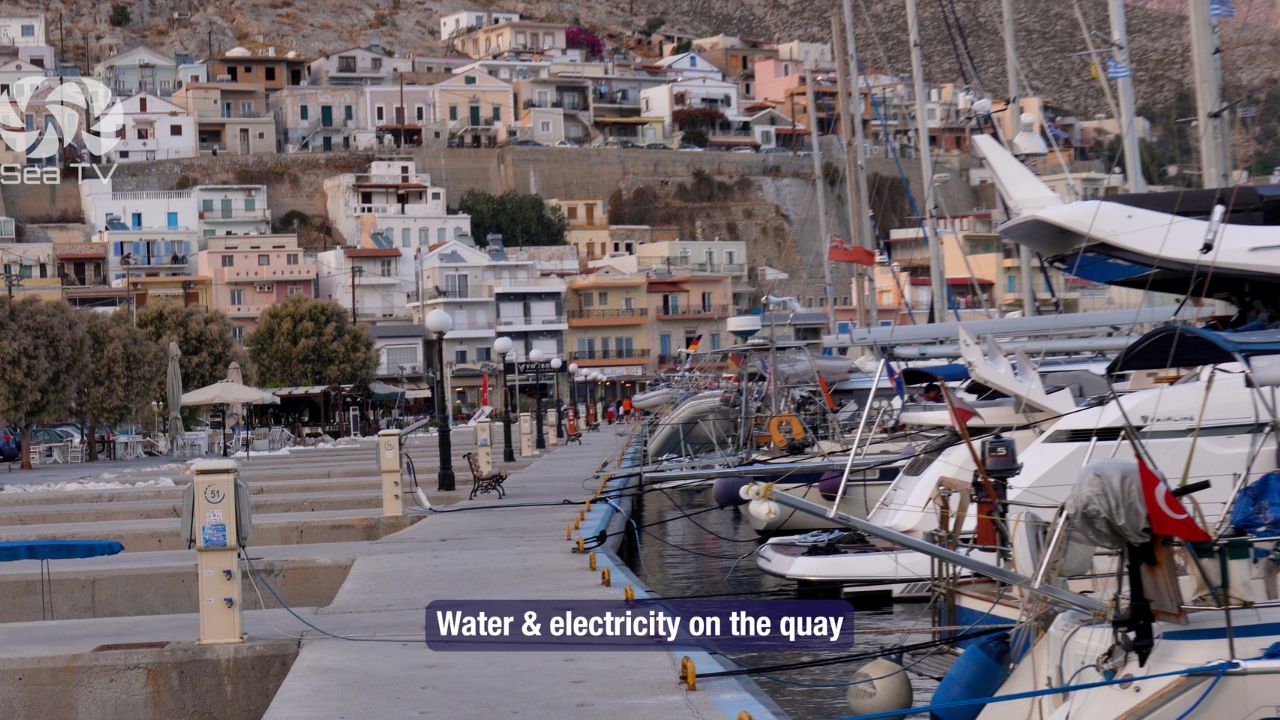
(1048, 31)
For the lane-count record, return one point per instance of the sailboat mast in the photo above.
(1124, 87)
(820, 189)
(937, 273)
(856, 164)
(1206, 61)
(1026, 279)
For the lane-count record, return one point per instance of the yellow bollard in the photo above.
(744, 715)
(577, 523)
(605, 578)
(629, 593)
(591, 560)
(582, 546)
(688, 673)
(568, 532)
(588, 508)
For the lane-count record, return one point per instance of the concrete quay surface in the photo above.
(515, 553)
(123, 645)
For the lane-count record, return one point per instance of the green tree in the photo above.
(203, 337)
(43, 348)
(120, 15)
(654, 24)
(311, 342)
(519, 218)
(124, 371)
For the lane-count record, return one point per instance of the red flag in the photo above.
(961, 411)
(484, 389)
(1166, 513)
(843, 251)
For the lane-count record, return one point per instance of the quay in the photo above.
(123, 643)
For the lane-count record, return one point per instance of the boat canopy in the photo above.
(1174, 346)
(954, 372)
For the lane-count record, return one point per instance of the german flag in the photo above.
(693, 346)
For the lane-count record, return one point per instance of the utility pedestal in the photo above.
(526, 435)
(553, 432)
(389, 469)
(484, 445)
(216, 541)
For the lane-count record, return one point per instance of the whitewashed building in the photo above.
(358, 66)
(154, 129)
(373, 278)
(395, 200)
(138, 70)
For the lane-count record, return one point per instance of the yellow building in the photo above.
(478, 109)
(185, 290)
(608, 318)
(522, 37)
(685, 307)
(34, 267)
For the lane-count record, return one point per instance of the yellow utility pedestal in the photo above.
(526, 435)
(553, 436)
(484, 445)
(214, 527)
(389, 468)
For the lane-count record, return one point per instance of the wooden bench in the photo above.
(484, 482)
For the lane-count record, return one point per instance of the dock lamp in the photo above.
(503, 346)
(556, 364)
(440, 322)
(536, 357)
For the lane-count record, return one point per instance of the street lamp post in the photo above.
(536, 356)
(556, 363)
(440, 322)
(502, 346)
(573, 392)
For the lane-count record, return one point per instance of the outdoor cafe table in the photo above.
(46, 550)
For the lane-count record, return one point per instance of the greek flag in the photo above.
(1117, 70)
(1054, 131)
(1222, 8)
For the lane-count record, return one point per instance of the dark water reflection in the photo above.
(680, 558)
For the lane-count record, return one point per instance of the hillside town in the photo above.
(618, 301)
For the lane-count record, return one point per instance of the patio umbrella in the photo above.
(173, 397)
(235, 375)
(226, 392)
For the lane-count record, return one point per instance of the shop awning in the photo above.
(301, 391)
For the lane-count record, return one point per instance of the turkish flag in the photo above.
(961, 411)
(1165, 512)
(843, 251)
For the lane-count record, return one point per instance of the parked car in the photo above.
(656, 146)
(567, 144)
(528, 143)
(689, 148)
(10, 444)
(744, 149)
(50, 436)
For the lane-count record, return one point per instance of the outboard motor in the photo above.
(999, 456)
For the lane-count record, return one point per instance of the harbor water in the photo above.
(691, 548)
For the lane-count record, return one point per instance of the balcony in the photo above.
(531, 324)
(604, 316)
(482, 292)
(617, 354)
(410, 210)
(694, 311)
(237, 215)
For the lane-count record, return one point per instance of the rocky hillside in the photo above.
(1048, 31)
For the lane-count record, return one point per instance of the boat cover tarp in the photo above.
(1106, 505)
(1257, 510)
(1174, 346)
(954, 372)
(12, 550)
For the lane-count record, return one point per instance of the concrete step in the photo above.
(269, 529)
(169, 507)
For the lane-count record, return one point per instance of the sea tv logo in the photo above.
(41, 117)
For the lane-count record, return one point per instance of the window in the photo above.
(124, 154)
(602, 297)
(264, 260)
(628, 303)
(497, 113)
(142, 104)
(291, 259)
(453, 112)
(237, 333)
(468, 79)
(295, 290)
(405, 240)
(237, 297)
(572, 212)
(246, 108)
(347, 64)
(378, 113)
(347, 112)
(420, 113)
(172, 220)
(28, 31)
(424, 236)
(303, 112)
(715, 341)
(484, 353)
(228, 260)
(588, 300)
(270, 73)
(175, 131)
(706, 302)
(435, 195)
(460, 355)
(544, 126)
(439, 235)
(135, 220)
(387, 267)
(693, 61)
(647, 106)
(377, 63)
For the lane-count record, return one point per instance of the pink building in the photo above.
(249, 273)
(774, 77)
